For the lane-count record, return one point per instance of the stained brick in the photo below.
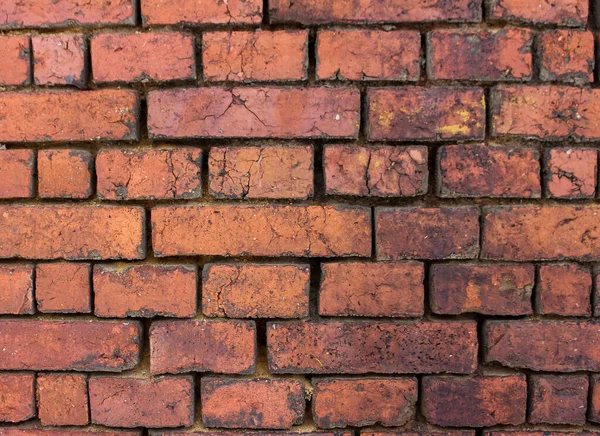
(59, 60)
(64, 173)
(193, 12)
(558, 399)
(14, 59)
(564, 289)
(564, 12)
(17, 397)
(567, 56)
(571, 173)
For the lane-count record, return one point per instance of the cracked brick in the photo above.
(59, 60)
(571, 173)
(16, 289)
(62, 287)
(195, 12)
(567, 56)
(64, 173)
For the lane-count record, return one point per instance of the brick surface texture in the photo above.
(299, 217)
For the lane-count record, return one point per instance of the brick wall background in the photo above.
(338, 218)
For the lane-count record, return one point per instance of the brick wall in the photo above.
(337, 218)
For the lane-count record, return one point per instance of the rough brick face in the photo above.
(558, 399)
(571, 173)
(256, 404)
(16, 173)
(564, 290)
(594, 405)
(368, 55)
(194, 12)
(17, 397)
(564, 12)
(480, 55)
(480, 401)
(14, 59)
(63, 287)
(255, 291)
(16, 289)
(567, 56)
(371, 289)
(249, 56)
(59, 60)
(64, 173)
(62, 399)
(363, 402)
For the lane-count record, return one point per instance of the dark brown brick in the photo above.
(558, 399)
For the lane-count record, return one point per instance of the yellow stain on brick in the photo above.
(454, 129)
(385, 119)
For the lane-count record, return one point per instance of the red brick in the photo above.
(294, 432)
(255, 291)
(488, 289)
(386, 171)
(567, 56)
(368, 54)
(571, 173)
(363, 402)
(16, 173)
(64, 173)
(159, 173)
(72, 232)
(255, 403)
(44, 345)
(63, 287)
(558, 399)
(371, 347)
(427, 233)
(503, 54)
(194, 12)
(484, 171)
(62, 399)
(136, 402)
(249, 56)
(227, 347)
(323, 231)
(261, 172)
(545, 112)
(68, 116)
(63, 13)
(423, 433)
(131, 57)
(253, 112)
(560, 346)
(564, 290)
(412, 113)
(13, 431)
(371, 289)
(480, 401)
(144, 290)
(524, 233)
(373, 11)
(594, 405)
(59, 60)
(17, 398)
(565, 12)
(542, 433)
(16, 289)
(14, 59)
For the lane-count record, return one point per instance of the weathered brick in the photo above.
(14, 59)
(261, 172)
(481, 288)
(68, 116)
(62, 399)
(159, 173)
(564, 290)
(145, 290)
(372, 289)
(194, 12)
(16, 173)
(64, 173)
(255, 403)
(17, 397)
(558, 399)
(545, 112)
(43, 345)
(16, 289)
(427, 233)
(372, 347)
(567, 56)
(565, 12)
(524, 233)
(594, 405)
(562, 346)
(253, 112)
(294, 432)
(261, 231)
(417, 113)
(373, 11)
(571, 173)
(136, 402)
(499, 55)
(72, 232)
(419, 433)
(255, 291)
(249, 56)
(131, 57)
(14, 431)
(484, 171)
(59, 60)
(227, 347)
(63, 13)
(363, 402)
(368, 55)
(386, 171)
(480, 401)
(63, 287)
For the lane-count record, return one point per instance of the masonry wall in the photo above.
(350, 217)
